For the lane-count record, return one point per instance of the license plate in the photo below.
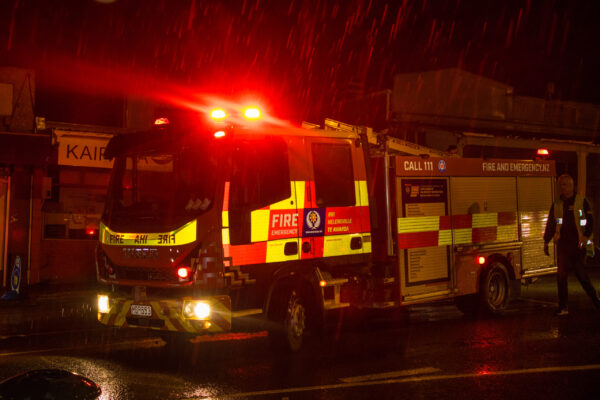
(140, 310)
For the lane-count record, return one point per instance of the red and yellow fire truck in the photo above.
(210, 226)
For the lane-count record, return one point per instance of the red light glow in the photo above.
(161, 121)
(183, 272)
(127, 181)
(481, 260)
(543, 152)
(219, 134)
(90, 231)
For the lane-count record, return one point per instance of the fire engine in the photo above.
(240, 219)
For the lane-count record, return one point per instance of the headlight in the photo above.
(196, 310)
(103, 304)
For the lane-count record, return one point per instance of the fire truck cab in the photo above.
(210, 227)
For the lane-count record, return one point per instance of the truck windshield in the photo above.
(161, 190)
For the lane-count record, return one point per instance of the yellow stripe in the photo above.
(506, 233)
(485, 220)
(363, 193)
(225, 218)
(225, 236)
(174, 312)
(445, 237)
(299, 189)
(462, 236)
(182, 235)
(339, 245)
(122, 313)
(275, 250)
(366, 246)
(418, 224)
(260, 225)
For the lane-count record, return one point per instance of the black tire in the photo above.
(494, 289)
(290, 317)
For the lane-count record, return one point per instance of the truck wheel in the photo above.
(289, 332)
(494, 290)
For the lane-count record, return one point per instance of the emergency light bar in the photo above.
(222, 122)
(218, 114)
(251, 113)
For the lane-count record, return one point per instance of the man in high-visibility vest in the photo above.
(570, 224)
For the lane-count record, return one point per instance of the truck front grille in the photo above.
(146, 274)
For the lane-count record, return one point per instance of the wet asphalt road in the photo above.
(429, 352)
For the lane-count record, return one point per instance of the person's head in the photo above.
(566, 186)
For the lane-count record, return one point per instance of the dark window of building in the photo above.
(73, 209)
(334, 178)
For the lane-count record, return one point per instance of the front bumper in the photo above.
(164, 314)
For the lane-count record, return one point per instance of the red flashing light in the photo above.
(219, 134)
(127, 181)
(543, 152)
(481, 260)
(161, 121)
(90, 231)
(252, 113)
(183, 272)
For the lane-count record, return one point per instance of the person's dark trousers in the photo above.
(573, 260)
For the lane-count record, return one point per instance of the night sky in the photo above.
(299, 57)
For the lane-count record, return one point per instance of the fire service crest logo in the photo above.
(313, 220)
(442, 166)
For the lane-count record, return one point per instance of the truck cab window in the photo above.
(260, 176)
(334, 181)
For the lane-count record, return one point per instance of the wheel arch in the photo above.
(304, 280)
(502, 259)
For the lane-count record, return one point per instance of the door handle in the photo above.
(306, 247)
(290, 248)
(356, 243)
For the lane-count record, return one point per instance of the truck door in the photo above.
(535, 199)
(335, 220)
(260, 215)
(424, 238)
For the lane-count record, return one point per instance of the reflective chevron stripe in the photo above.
(457, 229)
(182, 235)
(168, 315)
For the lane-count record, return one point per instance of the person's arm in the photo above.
(550, 226)
(589, 224)
(550, 230)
